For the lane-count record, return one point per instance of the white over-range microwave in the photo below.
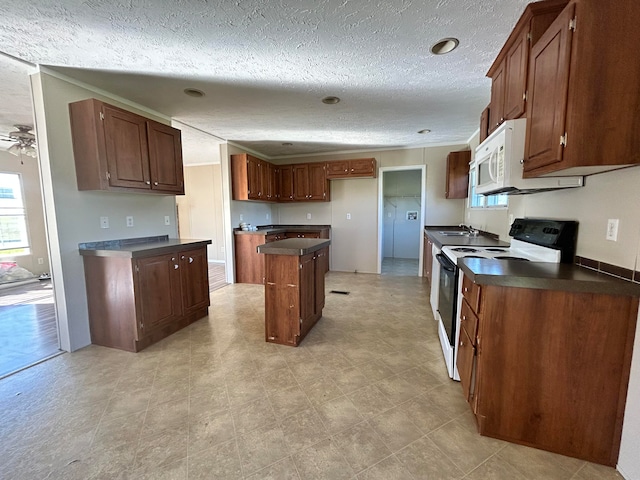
(498, 164)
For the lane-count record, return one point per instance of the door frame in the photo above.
(423, 198)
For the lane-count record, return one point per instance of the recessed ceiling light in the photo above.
(194, 92)
(426, 130)
(330, 100)
(287, 144)
(445, 45)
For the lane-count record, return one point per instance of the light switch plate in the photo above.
(612, 229)
(308, 216)
(348, 216)
(104, 222)
(167, 220)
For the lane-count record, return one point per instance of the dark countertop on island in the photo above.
(268, 229)
(461, 241)
(139, 247)
(294, 246)
(545, 276)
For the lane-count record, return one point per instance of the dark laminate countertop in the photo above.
(545, 276)
(139, 247)
(267, 229)
(294, 246)
(466, 241)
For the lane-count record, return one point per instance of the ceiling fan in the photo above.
(24, 142)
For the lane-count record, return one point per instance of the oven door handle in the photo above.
(445, 262)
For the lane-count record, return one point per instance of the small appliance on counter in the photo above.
(534, 240)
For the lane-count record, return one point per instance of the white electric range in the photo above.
(534, 240)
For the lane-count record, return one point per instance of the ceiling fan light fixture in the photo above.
(193, 92)
(331, 100)
(446, 45)
(423, 131)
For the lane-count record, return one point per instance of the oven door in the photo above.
(448, 296)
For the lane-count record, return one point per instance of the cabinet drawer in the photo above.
(465, 364)
(471, 293)
(303, 234)
(274, 237)
(469, 321)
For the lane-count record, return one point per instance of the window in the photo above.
(482, 201)
(14, 239)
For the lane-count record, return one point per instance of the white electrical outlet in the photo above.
(348, 216)
(167, 220)
(241, 217)
(40, 261)
(129, 221)
(308, 216)
(104, 222)
(612, 229)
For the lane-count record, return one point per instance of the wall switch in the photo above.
(129, 221)
(167, 220)
(241, 217)
(308, 216)
(348, 216)
(40, 261)
(612, 229)
(268, 216)
(104, 222)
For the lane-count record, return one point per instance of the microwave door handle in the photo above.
(493, 163)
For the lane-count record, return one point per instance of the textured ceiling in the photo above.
(266, 64)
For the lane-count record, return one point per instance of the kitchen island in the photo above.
(545, 354)
(294, 287)
(141, 290)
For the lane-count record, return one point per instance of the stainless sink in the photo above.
(454, 233)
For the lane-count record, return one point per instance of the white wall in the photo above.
(402, 193)
(32, 194)
(73, 216)
(608, 195)
(355, 241)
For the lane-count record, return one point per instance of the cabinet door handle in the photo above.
(175, 267)
(182, 257)
(190, 260)
(464, 317)
(173, 259)
(148, 182)
(155, 183)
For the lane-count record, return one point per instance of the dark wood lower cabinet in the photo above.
(135, 302)
(294, 295)
(550, 369)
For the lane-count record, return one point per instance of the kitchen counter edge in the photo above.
(294, 246)
(269, 229)
(545, 276)
(142, 249)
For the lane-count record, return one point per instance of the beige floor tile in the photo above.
(388, 469)
(279, 379)
(321, 390)
(534, 463)
(592, 471)
(361, 446)
(285, 469)
(395, 428)
(245, 390)
(261, 448)
(465, 448)
(111, 433)
(167, 416)
(221, 462)
(322, 461)
(398, 390)
(121, 404)
(249, 416)
(173, 471)
(425, 461)
(161, 449)
(287, 401)
(370, 401)
(209, 428)
(339, 414)
(426, 416)
(376, 370)
(303, 429)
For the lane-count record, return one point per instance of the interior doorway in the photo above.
(401, 199)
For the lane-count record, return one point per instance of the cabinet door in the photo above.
(307, 291)
(158, 291)
(548, 89)
(282, 320)
(428, 258)
(126, 148)
(318, 184)
(496, 113)
(194, 274)
(362, 167)
(457, 174)
(339, 169)
(515, 83)
(254, 178)
(165, 158)
(321, 268)
(271, 188)
(301, 182)
(465, 364)
(484, 124)
(286, 183)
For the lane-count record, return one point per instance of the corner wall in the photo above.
(73, 216)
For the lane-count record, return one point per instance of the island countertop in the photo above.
(545, 276)
(139, 247)
(269, 229)
(294, 246)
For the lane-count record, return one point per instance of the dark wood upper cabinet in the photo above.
(250, 178)
(484, 124)
(457, 182)
(319, 187)
(285, 176)
(301, 182)
(117, 150)
(584, 107)
(509, 71)
(359, 167)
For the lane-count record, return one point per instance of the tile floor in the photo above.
(364, 397)
(399, 267)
